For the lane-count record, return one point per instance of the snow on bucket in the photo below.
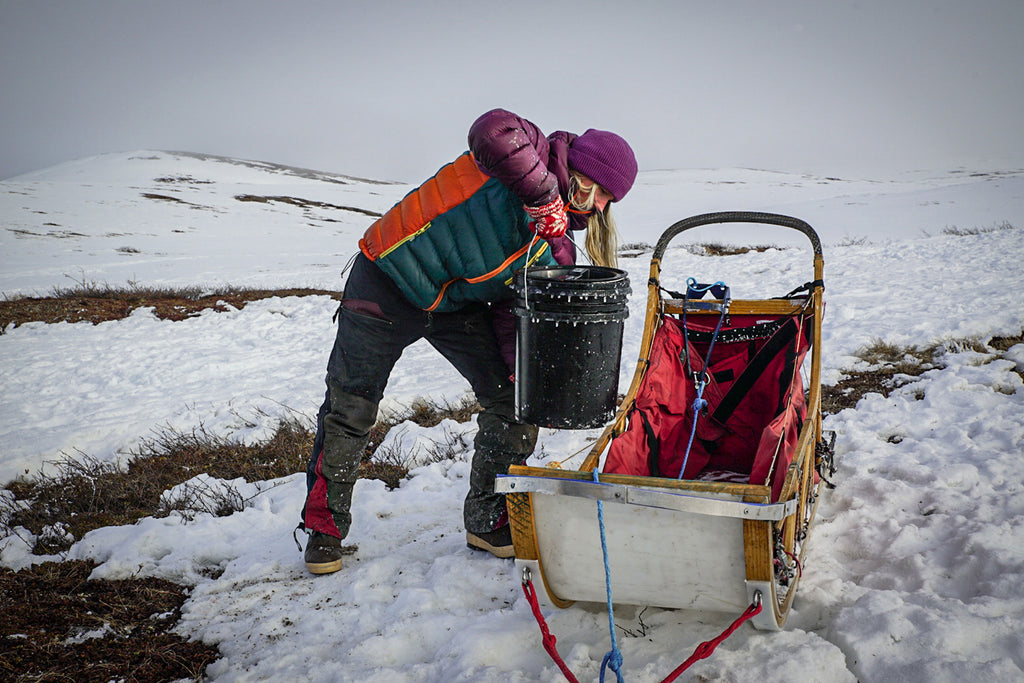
(569, 323)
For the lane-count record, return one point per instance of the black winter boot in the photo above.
(323, 553)
(497, 542)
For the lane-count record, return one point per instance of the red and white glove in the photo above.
(549, 220)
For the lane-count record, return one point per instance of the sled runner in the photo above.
(709, 473)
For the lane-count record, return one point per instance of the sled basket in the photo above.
(736, 522)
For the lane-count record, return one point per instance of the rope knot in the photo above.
(613, 661)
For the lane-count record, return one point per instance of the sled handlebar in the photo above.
(736, 217)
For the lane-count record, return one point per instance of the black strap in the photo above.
(653, 449)
(805, 287)
(672, 293)
(755, 368)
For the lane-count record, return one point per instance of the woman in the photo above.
(429, 268)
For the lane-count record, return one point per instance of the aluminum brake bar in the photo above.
(634, 495)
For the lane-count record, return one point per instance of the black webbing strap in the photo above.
(755, 368)
(653, 449)
(672, 293)
(805, 287)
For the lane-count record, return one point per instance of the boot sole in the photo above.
(323, 567)
(474, 542)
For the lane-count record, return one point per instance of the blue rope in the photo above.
(699, 404)
(613, 659)
(692, 286)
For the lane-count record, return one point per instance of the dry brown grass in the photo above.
(48, 606)
(97, 304)
(58, 625)
(390, 468)
(957, 231)
(1004, 343)
(720, 249)
(87, 494)
(894, 365)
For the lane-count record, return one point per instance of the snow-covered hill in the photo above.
(183, 219)
(913, 570)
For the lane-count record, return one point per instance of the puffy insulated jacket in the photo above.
(460, 236)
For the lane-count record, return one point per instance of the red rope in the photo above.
(705, 649)
(796, 561)
(547, 638)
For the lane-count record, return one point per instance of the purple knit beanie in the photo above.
(606, 159)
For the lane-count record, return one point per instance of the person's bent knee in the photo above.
(349, 415)
(500, 433)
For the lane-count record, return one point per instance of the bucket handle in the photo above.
(526, 272)
(533, 241)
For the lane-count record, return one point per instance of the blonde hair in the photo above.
(602, 242)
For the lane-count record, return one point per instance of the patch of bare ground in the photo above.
(60, 626)
(722, 249)
(97, 305)
(1005, 343)
(892, 366)
(302, 203)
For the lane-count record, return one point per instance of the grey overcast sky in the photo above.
(387, 89)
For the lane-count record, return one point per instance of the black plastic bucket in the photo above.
(569, 322)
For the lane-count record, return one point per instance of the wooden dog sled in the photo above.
(732, 530)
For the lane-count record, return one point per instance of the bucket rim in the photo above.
(614, 285)
(606, 274)
(578, 317)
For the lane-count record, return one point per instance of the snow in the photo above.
(913, 568)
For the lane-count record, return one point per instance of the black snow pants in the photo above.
(375, 324)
